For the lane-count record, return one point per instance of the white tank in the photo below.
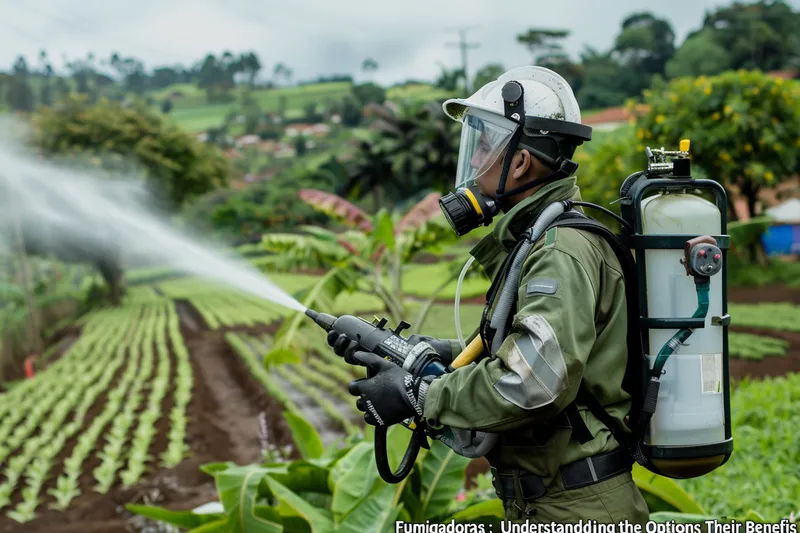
(690, 408)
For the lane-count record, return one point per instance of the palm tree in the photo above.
(369, 66)
(413, 147)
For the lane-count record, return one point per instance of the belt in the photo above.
(581, 473)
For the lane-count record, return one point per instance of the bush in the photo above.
(125, 138)
(744, 126)
(243, 216)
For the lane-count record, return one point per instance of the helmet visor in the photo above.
(482, 142)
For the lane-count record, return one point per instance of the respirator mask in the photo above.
(484, 138)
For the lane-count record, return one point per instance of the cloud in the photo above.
(316, 37)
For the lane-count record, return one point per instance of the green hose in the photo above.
(680, 337)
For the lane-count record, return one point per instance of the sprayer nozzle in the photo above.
(323, 320)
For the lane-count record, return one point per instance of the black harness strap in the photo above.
(636, 373)
(636, 377)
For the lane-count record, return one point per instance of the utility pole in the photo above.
(464, 46)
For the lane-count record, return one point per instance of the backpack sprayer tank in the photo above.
(683, 304)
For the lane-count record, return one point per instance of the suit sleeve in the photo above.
(538, 368)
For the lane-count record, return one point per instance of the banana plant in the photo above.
(369, 257)
(335, 489)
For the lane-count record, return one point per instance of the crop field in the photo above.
(192, 111)
(113, 407)
(175, 378)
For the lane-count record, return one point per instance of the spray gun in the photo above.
(389, 344)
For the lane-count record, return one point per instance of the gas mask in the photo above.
(484, 138)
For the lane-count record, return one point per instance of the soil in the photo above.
(228, 409)
(224, 425)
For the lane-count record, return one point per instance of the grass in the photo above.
(194, 113)
(423, 280)
(418, 92)
(777, 316)
(765, 415)
(755, 347)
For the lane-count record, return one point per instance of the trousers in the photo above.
(614, 500)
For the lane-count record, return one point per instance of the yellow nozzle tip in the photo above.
(685, 145)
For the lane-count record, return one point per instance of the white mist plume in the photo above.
(95, 211)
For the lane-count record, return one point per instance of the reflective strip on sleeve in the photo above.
(538, 373)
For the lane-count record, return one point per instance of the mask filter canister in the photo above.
(466, 209)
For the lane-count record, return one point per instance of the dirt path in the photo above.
(235, 415)
(312, 411)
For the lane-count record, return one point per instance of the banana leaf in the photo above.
(443, 474)
(663, 494)
(337, 207)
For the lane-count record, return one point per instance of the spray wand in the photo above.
(389, 344)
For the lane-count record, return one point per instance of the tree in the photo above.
(122, 138)
(243, 216)
(645, 43)
(89, 80)
(603, 84)
(604, 164)
(252, 112)
(132, 73)
(369, 65)
(282, 71)
(351, 112)
(164, 77)
(413, 148)
(369, 93)
(46, 73)
(744, 127)
(19, 94)
(542, 43)
(251, 66)
(762, 35)
(563, 65)
(449, 79)
(699, 55)
(488, 73)
(213, 78)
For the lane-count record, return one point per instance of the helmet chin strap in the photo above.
(565, 168)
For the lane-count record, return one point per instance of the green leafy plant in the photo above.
(370, 258)
(744, 127)
(748, 346)
(337, 489)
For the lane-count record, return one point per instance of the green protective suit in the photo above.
(569, 325)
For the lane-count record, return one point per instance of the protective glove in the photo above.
(440, 346)
(344, 347)
(391, 395)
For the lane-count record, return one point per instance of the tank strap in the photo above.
(643, 391)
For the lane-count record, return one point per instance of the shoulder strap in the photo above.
(636, 376)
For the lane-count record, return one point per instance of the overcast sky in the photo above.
(320, 37)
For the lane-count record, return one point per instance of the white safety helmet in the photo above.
(550, 120)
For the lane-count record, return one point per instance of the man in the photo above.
(555, 461)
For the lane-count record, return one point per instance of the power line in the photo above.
(464, 46)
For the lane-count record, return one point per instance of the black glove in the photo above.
(391, 395)
(441, 347)
(342, 346)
